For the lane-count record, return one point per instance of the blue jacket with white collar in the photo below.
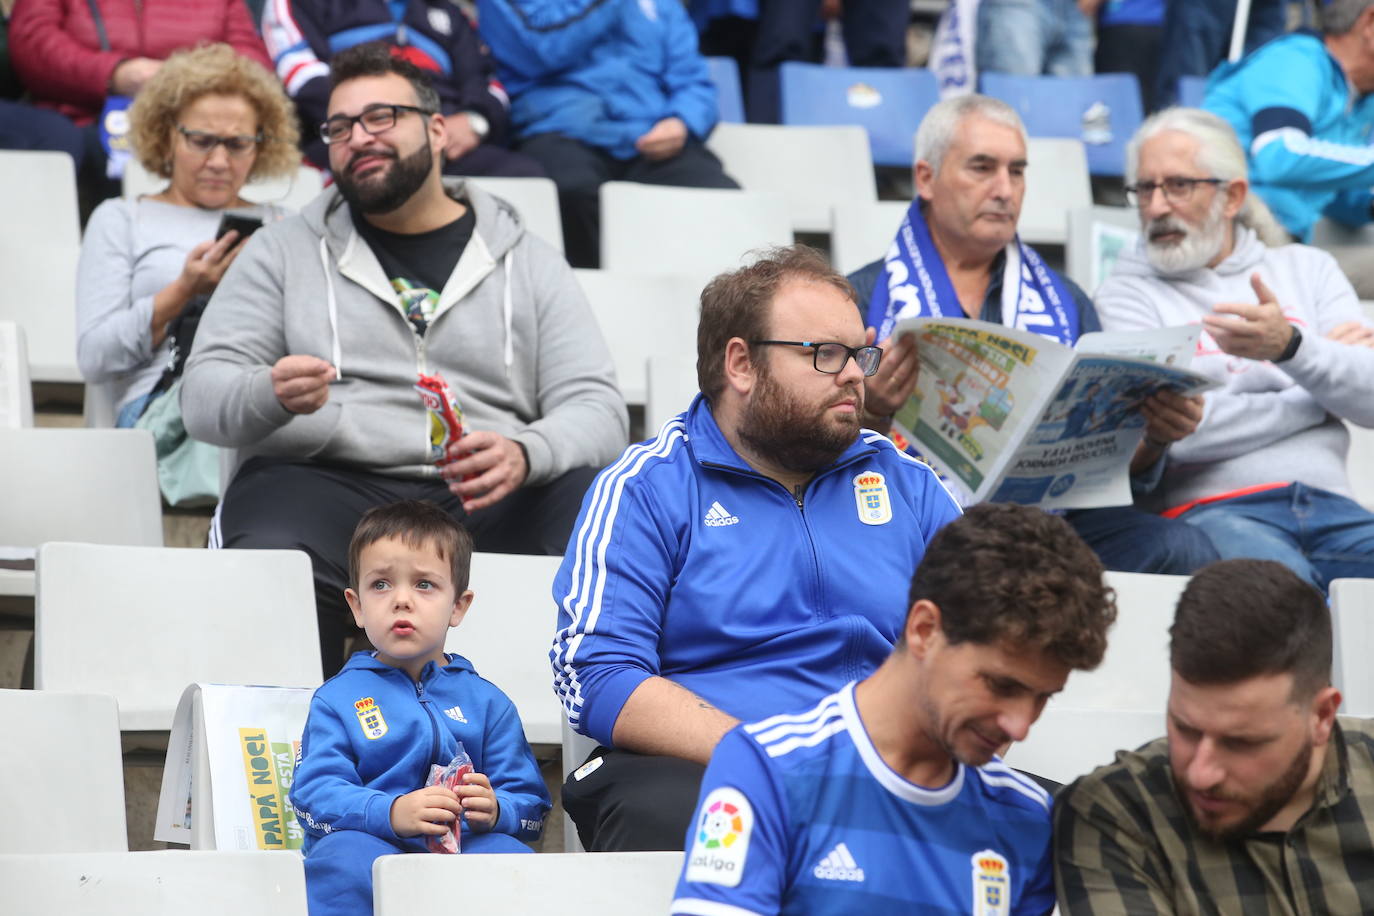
(372, 734)
(687, 564)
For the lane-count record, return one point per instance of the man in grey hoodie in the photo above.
(1264, 474)
(307, 358)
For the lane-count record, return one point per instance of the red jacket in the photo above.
(56, 49)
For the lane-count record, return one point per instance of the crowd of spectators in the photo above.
(713, 636)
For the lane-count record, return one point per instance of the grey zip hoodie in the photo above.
(513, 336)
(1268, 423)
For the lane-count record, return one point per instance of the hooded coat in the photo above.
(513, 336)
(1268, 423)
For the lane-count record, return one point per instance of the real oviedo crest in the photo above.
(991, 884)
(370, 718)
(870, 496)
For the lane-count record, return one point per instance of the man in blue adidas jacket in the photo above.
(752, 557)
(888, 796)
(1303, 110)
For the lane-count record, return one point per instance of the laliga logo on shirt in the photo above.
(991, 891)
(722, 839)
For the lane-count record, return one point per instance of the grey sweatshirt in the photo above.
(513, 336)
(1268, 423)
(131, 250)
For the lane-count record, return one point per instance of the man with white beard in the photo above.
(1282, 330)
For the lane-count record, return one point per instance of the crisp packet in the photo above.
(445, 416)
(450, 777)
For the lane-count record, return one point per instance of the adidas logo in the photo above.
(455, 713)
(839, 866)
(717, 517)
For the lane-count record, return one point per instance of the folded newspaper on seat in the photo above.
(1006, 415)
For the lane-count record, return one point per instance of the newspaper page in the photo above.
(1078, 454)
(979, 388)
(250, 737)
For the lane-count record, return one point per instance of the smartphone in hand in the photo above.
(245, 224)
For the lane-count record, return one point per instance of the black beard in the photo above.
(392, 190)
(1274, 797)
(796, 438)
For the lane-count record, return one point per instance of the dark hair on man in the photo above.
(1239, 619)
(377, 58)
(1016, 576)
(735, 304)
(415, 524)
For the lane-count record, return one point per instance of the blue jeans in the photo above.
(1318, 535)
(1034, 37)
(338, 868)
(1128, 540)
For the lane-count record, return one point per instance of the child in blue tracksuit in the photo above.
(376, 727)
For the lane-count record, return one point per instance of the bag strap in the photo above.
(99, 25)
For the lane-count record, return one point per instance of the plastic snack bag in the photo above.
(445, 416)
(450, 777)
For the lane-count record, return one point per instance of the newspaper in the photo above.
(1005, 415)
(245, 739)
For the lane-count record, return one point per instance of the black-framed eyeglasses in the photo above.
(1177, 189)
(375, 119)
(831, 357)
(205, 143)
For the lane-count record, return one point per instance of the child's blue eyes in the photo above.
(382, 585)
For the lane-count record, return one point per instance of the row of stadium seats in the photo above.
(232, 617)
(1102, 110)
(171, 883)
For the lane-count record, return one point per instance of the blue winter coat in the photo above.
(599, 71)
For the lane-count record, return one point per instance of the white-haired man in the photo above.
(1264, 474)
(970, 177)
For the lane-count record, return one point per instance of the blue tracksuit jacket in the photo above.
(372, 733)
(1306, 134)
(599, 71)
(688, 564)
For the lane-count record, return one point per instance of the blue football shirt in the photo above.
(798, 814)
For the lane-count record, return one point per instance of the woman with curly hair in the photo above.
(209, 120)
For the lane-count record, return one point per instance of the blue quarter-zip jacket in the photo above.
(600, 71)
(687, 564)
(372, 733)
(1305, 131)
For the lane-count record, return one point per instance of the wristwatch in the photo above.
(1292, 348)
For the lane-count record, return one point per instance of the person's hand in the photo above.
(301, 382)
(888, 389)
(1089, 8)
(460, 138)
(664, 140)
(428, 811)
(496, 465)
(130, 75)
(1352, 333)
(207, 262)
(1250, 331)
(480, 807)
(1170, 416)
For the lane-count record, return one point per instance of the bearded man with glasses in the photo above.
(308, 359)
(747, 560)
(1264, 475)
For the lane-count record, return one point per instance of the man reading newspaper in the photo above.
(957, 255)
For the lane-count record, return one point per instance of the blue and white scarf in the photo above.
(915, 284)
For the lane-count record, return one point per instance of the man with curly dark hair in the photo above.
(890, 792)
